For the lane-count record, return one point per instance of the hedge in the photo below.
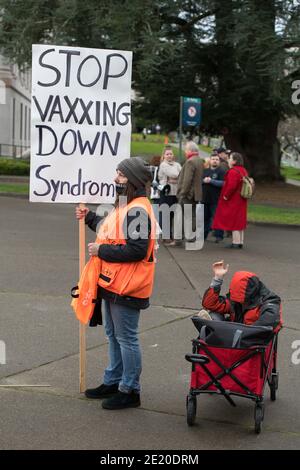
(14, 167)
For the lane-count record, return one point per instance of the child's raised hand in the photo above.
(220, 269)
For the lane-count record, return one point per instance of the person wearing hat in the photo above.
(224, 156)
(126, 252)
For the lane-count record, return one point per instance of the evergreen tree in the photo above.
(240, 56)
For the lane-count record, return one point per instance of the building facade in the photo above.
(15, 101)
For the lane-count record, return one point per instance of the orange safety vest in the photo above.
(134, 279)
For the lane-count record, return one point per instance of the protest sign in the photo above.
(81, 122)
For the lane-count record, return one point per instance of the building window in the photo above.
(13, 120)
(25, 124)
(21, 121)
(29, 123)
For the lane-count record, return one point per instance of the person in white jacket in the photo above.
(168, 175)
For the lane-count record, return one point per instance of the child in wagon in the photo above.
(248, 301)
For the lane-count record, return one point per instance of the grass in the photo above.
(17, 188)
(273, 215)
(160, 139)
(147, 149)
(291, 173)
(205, 148)
(157, 138)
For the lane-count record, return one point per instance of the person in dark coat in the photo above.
(189, 190)
(231, 213)
(213, 180)
(224, 156)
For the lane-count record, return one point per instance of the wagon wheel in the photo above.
(274, 385)
(191, 409)
(258, 416)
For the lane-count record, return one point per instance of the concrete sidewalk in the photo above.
(39, 264)
(293, 182)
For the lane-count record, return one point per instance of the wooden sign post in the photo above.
(82, 339)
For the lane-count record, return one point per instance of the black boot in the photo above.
(122, 400)
(103, 391)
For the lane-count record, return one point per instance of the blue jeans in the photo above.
(125, 359)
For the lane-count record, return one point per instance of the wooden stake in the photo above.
(82, 339)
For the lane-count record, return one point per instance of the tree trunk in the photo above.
(260, 148)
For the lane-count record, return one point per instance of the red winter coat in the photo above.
(231, 214)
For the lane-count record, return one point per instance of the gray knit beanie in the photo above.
(136, 170)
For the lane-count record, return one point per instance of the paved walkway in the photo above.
(39, 264)
(293, 182)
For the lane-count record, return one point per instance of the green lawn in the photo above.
(291, 173)
(18, 188)
(273, 215)
(149, 149)
(205, 148)
(157, 138)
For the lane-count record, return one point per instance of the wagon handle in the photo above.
(197, 358)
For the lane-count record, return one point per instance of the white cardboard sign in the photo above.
(81, 122)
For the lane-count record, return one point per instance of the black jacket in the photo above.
(211, 191)
(135, 249)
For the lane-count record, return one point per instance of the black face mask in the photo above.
(120, 188)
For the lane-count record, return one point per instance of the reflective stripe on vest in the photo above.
(133, 279)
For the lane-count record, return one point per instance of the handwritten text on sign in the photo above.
(81, 123)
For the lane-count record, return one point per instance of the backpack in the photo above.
(248, 186)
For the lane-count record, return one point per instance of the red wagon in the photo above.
(232, 359)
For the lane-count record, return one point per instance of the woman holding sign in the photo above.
(125, 247)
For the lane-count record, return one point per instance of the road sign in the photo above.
(191, 111)
(189, 116)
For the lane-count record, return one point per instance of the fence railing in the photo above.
(14, 151)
